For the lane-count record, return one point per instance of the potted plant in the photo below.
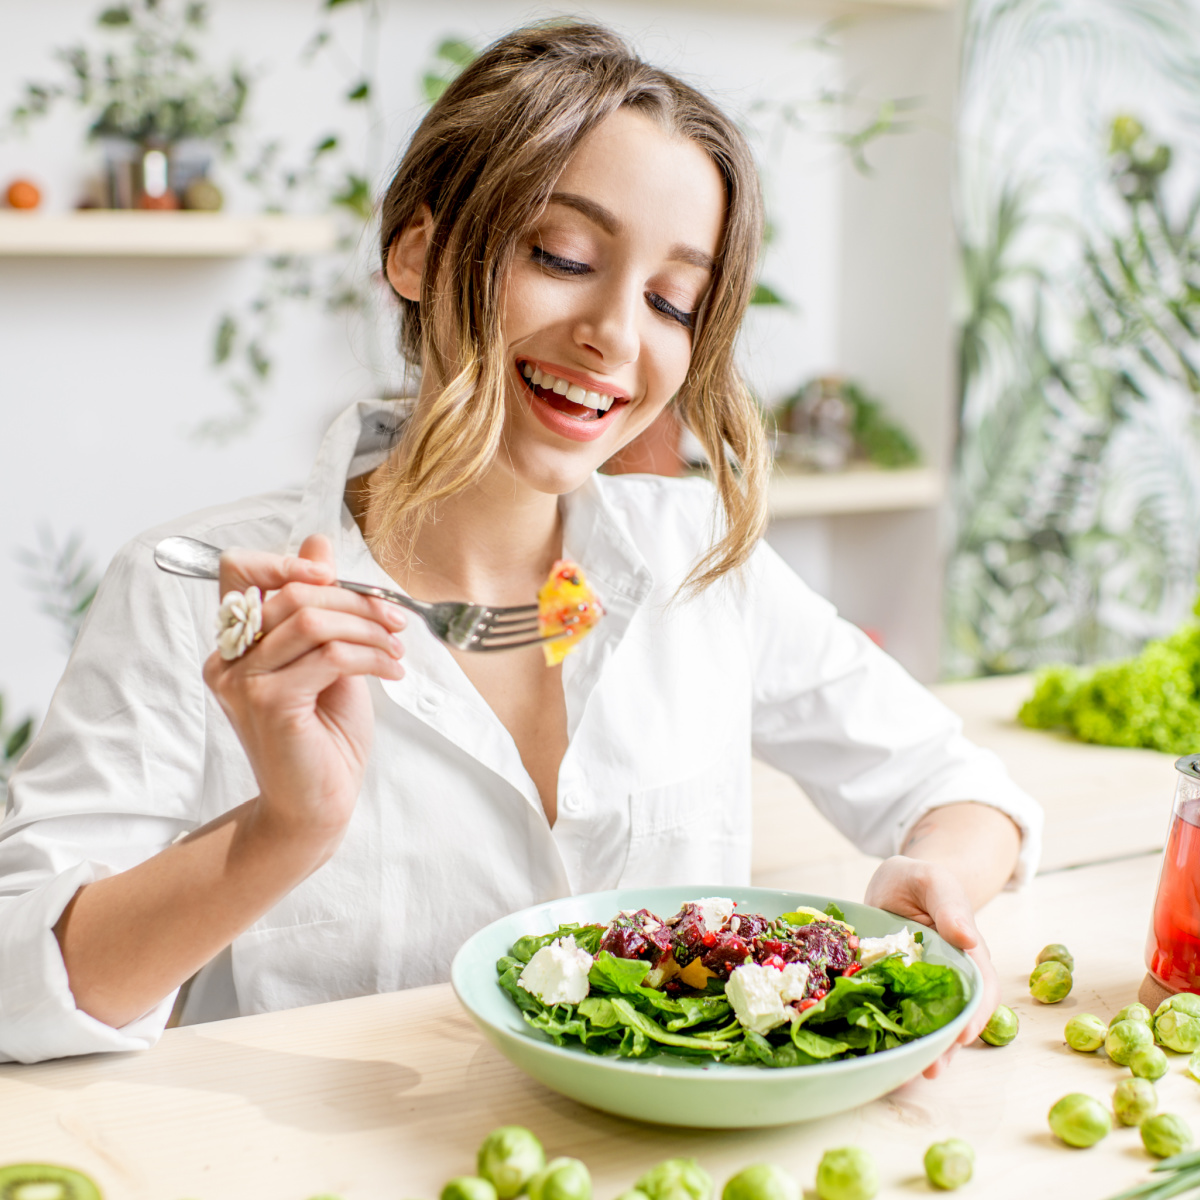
(151, 94)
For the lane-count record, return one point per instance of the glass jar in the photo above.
(1173, 945)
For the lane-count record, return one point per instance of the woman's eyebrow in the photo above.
(599, 215)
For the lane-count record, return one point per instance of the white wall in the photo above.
(104, 363)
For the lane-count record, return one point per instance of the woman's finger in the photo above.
(241, 569)
(324, 665)
(310, 628)
(294, 597)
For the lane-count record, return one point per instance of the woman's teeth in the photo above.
(561, 387)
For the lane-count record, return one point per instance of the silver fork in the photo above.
(463, 626)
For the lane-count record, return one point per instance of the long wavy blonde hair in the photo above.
(485, 160)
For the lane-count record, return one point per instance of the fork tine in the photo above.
(488, 642)
(515, 610)
(516, 625)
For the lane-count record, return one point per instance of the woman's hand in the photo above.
(932, 894)
(297, 697)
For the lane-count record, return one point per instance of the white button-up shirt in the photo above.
(666, 701)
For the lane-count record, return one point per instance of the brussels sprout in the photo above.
(1177, 1023)
(468, 1187)
(949, 1164)
(761, 1182)
(1134, 1100)
(562, 1179)
(1165, 1135)
(1079, 1120)
(1050, 982)
(1001, 1028)
(1193, 1067)
(1148, 1063)
(1056, 952)
(1085, 1033)
(509, 1157)
(1133, 1012)
(1125, 1039)
(1187, 1002)
(675, 1179)
(848, 1173)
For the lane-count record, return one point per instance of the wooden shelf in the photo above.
(863, 490)
(103, 233)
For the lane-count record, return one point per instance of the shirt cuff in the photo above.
(990, 786)
(38, 1017)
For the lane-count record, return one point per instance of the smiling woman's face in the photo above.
(602, 296)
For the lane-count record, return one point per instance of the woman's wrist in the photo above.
(285, 842)
(979, 844)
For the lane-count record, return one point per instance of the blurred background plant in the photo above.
(337, 174)
(65, 581)
(145, 79)
(1077, 498)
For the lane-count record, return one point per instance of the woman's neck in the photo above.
(493, 542)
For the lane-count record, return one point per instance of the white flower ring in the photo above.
(239, 622)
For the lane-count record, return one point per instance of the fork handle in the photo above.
(195, 559)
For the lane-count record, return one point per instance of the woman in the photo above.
(573, 236)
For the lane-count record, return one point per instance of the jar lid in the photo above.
(1189, 764)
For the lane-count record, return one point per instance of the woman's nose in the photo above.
(609, 324)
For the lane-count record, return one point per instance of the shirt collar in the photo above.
(435, 690)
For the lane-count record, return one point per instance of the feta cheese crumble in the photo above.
(760, 995)
(558, 973)
(714, 912)
(873, 950)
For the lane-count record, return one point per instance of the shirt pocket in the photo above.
(695, 831)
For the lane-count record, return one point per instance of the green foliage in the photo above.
(1151, 700)
(64, 578)
(14, 739)
(763, 294)
(881, 440)
(1076, 507)
(334, 177)
(145, 81)
(449, 58)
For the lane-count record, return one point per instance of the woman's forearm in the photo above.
(978, 843)
(129, 940)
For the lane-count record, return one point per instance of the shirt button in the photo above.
(571, 802)
(426, 702)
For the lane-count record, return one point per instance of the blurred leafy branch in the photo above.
(64, 578)
(145, 81)
(843, 117)
(65, 581)
(331, 176)
(1079, 501)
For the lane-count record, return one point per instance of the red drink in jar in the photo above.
(1173, 946)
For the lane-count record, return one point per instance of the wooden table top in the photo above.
(387, 1097)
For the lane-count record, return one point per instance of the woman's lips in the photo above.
(565, 417)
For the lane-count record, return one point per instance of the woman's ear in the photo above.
(406, 255)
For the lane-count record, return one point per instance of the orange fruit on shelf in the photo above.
(23, 194)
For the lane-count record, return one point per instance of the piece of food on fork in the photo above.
(568, 609)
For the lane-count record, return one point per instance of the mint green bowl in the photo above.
(662, 1089)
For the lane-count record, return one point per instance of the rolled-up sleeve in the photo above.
(114, 775)
(873, 749)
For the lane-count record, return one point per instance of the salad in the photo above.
(713, 983)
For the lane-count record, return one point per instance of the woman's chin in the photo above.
(555, 474)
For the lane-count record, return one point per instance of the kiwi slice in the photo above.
(38, 1181)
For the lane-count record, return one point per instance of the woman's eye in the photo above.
(687, 320)
(564, 266)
